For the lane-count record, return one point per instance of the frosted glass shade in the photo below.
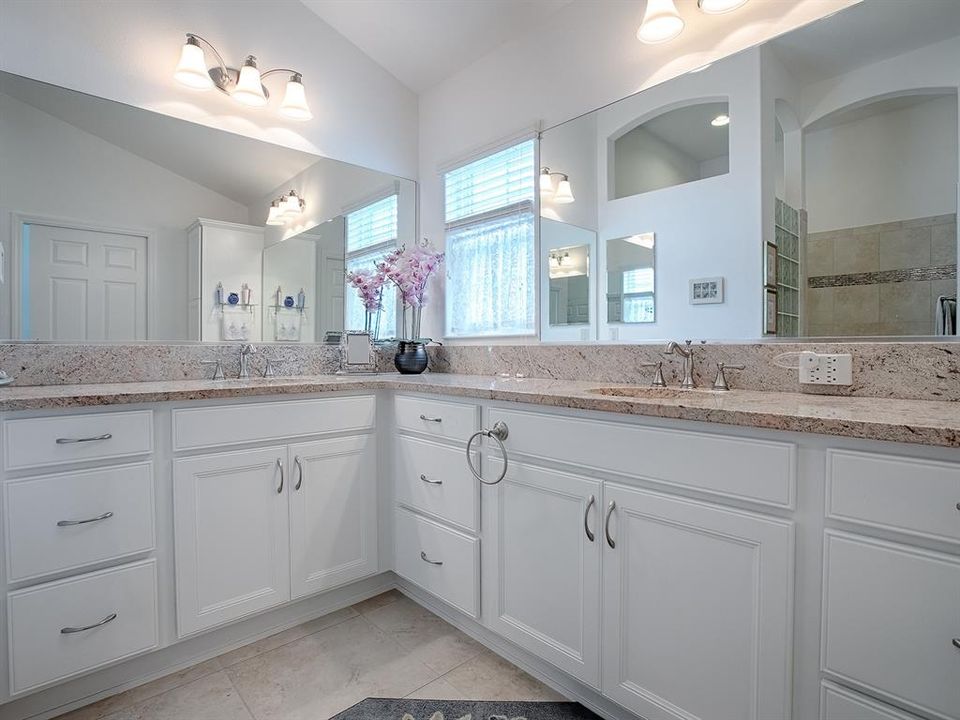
(564, 193)
(249, 90)
(294, 105)
(718, 7)
(546, 185)
(290, 207)
(275, 216)
(192, 68)
(661, 22)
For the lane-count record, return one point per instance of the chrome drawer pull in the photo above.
(606, 525)
(70, 630)
(280, 465)
(430, 419)
(296, 461)
(431, 482)
(956, 643)
(71, 441)
(423, 556)
(958, 506)
(67, 523)
(586, 515)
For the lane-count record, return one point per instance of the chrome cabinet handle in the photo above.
(499, 433)
(956, 643)
(296, 461)
(430, 419)
(70, 630)
(71, 441)
(423, 556)
(958, 506)
(430, 482)
(280, 465)
(67, 523)
(606, 525)
(586, 515)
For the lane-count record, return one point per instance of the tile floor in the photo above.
(387, 646)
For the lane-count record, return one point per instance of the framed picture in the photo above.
(771, 311)
(771, 265)
(706, 291)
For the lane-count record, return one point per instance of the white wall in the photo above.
(642, 162)
(292, 265)
(126, 51)
(571, 148)
(45, 170)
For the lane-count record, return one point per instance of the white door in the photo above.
(541, 565)
(83, 285)
(333, 512)
(330, 297)
(231, 534)
(696, 609)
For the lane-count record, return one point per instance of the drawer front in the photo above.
(40, 653)
(917, 497)
(449, 420)
(761, 471)
(891, 614)
(215, 427)
(36, 442)
(62, 522)
(457, 579)
(434, 479)
(837, 703)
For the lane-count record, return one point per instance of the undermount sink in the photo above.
(640, 392)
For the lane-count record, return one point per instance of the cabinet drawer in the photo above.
(62, 522)
(891, 613)
(214, 427)
(420, 543)
(837, 703)
(450, 420)
(41, 653)
(35, 442)
(761, 471)
(917, 497)
(434, 478)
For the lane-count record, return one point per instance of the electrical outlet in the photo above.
(825, 369)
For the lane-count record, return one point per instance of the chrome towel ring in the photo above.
(498, 433)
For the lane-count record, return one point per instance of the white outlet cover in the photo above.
(826, 369)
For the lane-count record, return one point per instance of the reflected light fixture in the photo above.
(275, 216)
(718, 7)
(661, 22)
(721, 120)
(285, 209)
(244, 85)
(562, 194)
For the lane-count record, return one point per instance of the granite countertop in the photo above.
(913, 421)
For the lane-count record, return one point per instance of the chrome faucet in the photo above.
(686, 353)
(246, 350)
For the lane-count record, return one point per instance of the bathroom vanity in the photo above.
(667, 557)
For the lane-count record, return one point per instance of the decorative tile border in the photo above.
(938, 272)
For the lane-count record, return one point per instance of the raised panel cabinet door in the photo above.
(231, 535)
(697, 604)
(541, 565)
(333, 512)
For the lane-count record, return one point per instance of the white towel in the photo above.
(946, 315)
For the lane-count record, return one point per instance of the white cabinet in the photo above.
(333, 512)
(541, 565)
(231, 536)
(697, 606)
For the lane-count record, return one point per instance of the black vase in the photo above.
(411, 357)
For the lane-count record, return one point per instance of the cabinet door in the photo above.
(231, 534)
(333, 512)
(541, 570)
(696, 609)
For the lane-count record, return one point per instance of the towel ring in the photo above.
(498, 433)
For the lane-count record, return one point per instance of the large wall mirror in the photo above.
(124, 225)
(807, 187)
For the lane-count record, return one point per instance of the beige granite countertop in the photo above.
(913, 421)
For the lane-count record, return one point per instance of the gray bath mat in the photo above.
(396, 709)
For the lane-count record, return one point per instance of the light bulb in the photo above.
(720, 120)
(564, 194)
(661, 22)
(718, 7)
(294, 105)
(275, 216)
(290, 207)
(546, 183)
(249, 89)
(192, 68)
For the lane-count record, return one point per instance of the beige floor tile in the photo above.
(378, 601)
(490, 677)
(321, 674)
(425, 637)
(210, 698)
(287, 636)
(439, 689)
(114, 703)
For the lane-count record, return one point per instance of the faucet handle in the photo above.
(720, 382)
(658, 380)
(218, 370)
(270, 369)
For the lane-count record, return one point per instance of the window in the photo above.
(491, 263)
(638, 295)
(371, 234)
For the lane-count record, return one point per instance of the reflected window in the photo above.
(371, 234)
(631, 279)
(676, 147)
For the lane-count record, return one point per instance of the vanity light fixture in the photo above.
(661, 22)
(562, 194)
(244, 85)
(721, 120)
(285, 209)
(718, 7)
